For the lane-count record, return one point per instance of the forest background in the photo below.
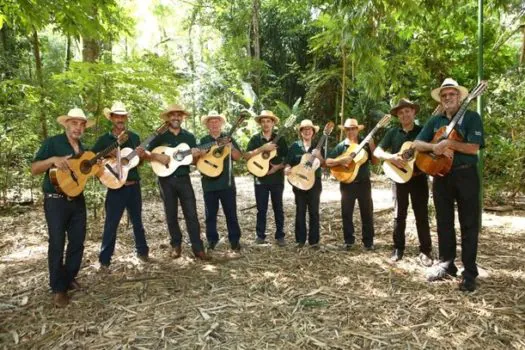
(335, 56)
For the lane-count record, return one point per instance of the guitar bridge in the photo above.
(258, 165)
(211, 164)
(110, 169)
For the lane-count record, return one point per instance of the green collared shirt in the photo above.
(58, 146)
(132, 142)
(257, 141)
(396, 136)
(470, 128)
(225, 179)
(169, 139)
(296, 151)
(364, 171)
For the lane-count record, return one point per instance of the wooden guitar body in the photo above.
(180, 155)
(404, 174)
(212, 163)
(302, 175)
(259, 164)
(347, 174)
(437, 165)
(71, 182)
(109, 172)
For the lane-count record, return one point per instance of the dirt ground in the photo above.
(268, 297)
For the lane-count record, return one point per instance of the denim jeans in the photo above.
(130, 198)
(228, 200)
(275, 192)
(63, 218)
(172, 190)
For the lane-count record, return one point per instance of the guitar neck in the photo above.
(104, 152)
(459, 114)
(367, 139)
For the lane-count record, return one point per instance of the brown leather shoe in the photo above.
(202, 256)
(74, 285)
(176, 252)
(60, 299)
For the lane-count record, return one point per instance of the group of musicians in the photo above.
(67, 215)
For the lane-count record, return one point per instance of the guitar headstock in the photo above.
(477, 91)
(289, 122)
(328, 128)
(123, 137)
(162, 129)
(384, 121)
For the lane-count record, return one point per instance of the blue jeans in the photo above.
(172, 190)
(130, 198)
(307, 200)
(228, 201)
(64, 217)
(275, 192)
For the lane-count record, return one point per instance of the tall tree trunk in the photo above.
(68, 52)
(192, 69)
(90, 50)
(40, 81)
(343, 90)
(522, 59)
(256, 42)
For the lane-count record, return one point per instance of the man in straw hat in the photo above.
(127, 197)
(64, 215)
(272, 184)
(460, 185)
(177, 187)
(221, 188)
(306, 200)
(416, 187)
(360, 189)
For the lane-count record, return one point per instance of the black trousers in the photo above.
(172, 190)
(228, 199)
(362, 192)
(63, 218)
(460, 186)
(275, 192)
(417, 189)
(307, 200)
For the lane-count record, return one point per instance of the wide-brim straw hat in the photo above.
(307, 123)
(404, 102)
(75, 113)
(211, 115)
(117, 108)
(173, 108)
(352, 123)
(267, 114)
(449, 83)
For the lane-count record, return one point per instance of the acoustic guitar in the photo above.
(114, 171)
(259, 164)
(212, 163)
(302, 175)
(348, 173)
(72, 181)
(440, 165)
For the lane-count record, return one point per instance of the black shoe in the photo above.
(397, 255)
(212, 245)
(236, 246)
(369, 247)
(348, 247)
(299, 245)
(260, 240)
(467, 284)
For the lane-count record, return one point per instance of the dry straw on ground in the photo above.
(267, 298)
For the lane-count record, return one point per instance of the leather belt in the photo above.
(60, 196)
(464, 166)
(130, 183)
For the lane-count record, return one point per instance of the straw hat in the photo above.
(75, 113)
(352, 123)
(449, 83)
(267, 114)
(173, 108)
(404, 102)
(307, 123)
(118, 108)
(211, 115)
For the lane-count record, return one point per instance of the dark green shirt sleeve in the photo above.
(427, 133)
(473, 131)
(386, 142)
(44, 151)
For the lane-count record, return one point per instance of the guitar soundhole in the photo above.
(178, 157)
(217, 153)
(266, 155)
(408, 155)
(85, 167)
(124, 161)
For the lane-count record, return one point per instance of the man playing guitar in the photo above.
(177, 186)
(64, 215)
(460, 185)
(272, 184)
(416, 187)
(360, 189)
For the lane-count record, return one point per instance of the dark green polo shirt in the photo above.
(470, 128)
(296, 151)
(257, 141)
(132, 142)
(225, 179)
(169, 139)
(59, 146)
(364, 171)
(396, 136)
